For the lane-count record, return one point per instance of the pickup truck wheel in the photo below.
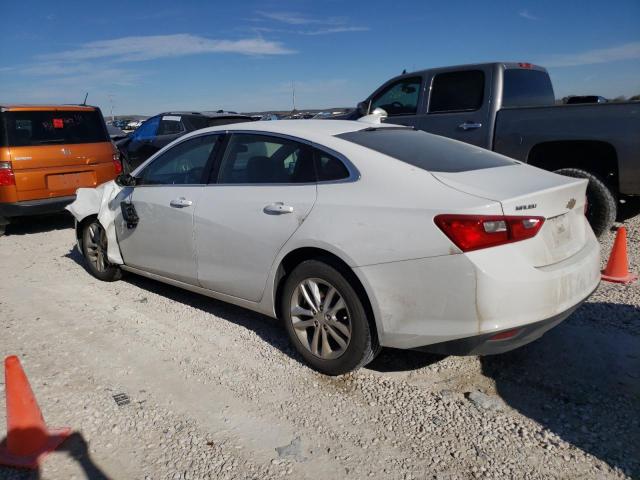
(602, 206)
(94, 249)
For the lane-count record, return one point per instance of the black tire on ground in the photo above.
(363, 345)
(94, 246)
(3, 228)
(602, 205)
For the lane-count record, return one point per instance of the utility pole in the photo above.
(111, 103)
(293, 95)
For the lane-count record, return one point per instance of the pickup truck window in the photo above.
(426, 151)
(457, 91)
(526, 88)
(399, 98)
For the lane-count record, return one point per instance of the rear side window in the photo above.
(426, 151)
(525, 88)
(399, 98)
(457, 91)
(329, 168)
(170, 125)
(262, 159)
(29, 128)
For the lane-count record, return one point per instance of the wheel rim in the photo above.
(320, 318)
(97, 247)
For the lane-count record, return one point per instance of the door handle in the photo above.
(180, 202)
(469, 126)
(277, 208)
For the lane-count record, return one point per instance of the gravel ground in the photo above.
(215, 391)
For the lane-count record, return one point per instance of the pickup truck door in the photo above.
(458, 106)
(402, 99)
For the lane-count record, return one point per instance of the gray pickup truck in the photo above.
(510, 108)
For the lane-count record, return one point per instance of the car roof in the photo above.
(308, 129)
(24, 107)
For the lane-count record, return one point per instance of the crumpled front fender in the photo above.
(103, 201)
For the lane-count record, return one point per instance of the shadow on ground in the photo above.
(76, 447)
(581, 382)
(39, 224)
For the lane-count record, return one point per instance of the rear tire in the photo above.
(94, 249)
(602, 206)
(347, 342)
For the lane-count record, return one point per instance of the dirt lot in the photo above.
(216, 392)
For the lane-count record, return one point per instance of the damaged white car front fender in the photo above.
(103, 201)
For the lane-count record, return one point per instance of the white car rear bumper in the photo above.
(434, 300)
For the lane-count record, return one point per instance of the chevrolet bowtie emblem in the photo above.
(571, 203)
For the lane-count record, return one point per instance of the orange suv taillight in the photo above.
(7, 178)
(117, 164)
(473, 232)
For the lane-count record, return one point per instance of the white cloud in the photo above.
(527, 15)
(627, 51)
(327, 31)
(161, 46)
(292, 18)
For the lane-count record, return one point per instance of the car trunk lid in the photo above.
(523, 190)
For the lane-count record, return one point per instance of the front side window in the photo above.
(262, 159)
(399, 98)
(183, 164)
(147, 130)
(457, 91)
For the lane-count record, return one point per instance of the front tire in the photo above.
(94, 249)
(602, 206)
(326, 319)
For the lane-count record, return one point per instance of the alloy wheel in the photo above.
(320, 318)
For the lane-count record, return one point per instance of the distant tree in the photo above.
(620, 98)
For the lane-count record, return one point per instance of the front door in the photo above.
(261, 193)
(164, 199)
(458, 106)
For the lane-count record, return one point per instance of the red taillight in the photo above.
(117, 164)
(7, 177)
(525, 65)
(473, 232)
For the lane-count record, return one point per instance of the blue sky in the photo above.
(149, 56)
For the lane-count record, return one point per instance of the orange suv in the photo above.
(49, 151)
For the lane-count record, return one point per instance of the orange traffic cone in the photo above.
(617, 267)
(28, 438)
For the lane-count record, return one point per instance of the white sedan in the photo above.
(356, 235)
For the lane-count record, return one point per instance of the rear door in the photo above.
(401, 99)
(263, 191)
(165, 198)
(458, 106)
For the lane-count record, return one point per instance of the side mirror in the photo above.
(363, 108)
(126, 180)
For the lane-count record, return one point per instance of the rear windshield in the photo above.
(526, 88)
(29, 128)
(426, 151)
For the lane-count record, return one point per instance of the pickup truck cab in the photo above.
(510, 108)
